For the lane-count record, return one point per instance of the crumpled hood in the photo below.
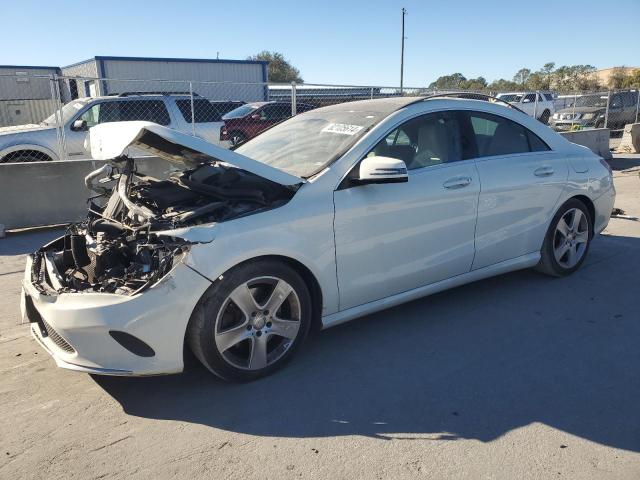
(31, 127)
(111, 140)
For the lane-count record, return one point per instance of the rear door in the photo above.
(521, 182)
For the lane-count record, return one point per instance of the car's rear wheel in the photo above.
(567, 241)
(251, 321)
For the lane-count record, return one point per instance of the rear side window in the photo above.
(146, 110)
(495, 135)
(549, 96)
(203, 111)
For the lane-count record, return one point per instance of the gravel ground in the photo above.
(520, 376)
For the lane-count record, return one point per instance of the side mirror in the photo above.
(256, 116)
(79, 126)
(382, 170)
(526, 100)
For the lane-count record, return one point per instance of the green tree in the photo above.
(522, 76)
(280, 70)
(617, 77)
(632, 79)
(503, 85)
(448, 82)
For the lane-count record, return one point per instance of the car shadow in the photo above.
(624, 162)
(475, 362)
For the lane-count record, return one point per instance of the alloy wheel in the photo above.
(258, 323)
(571, 238)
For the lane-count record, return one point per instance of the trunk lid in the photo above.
(111, 140)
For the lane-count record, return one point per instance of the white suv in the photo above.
(526, 101)
(30, 143)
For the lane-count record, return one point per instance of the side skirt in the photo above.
(524, 261)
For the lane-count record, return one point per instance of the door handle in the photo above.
(543, 172)
(457, 182)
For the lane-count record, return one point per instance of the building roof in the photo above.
(168, 59)
(29, 67)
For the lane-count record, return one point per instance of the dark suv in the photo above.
(590, 111)
(249, 120)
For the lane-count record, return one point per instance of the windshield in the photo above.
(240, 112)
(68, 111)
(591, 101)
(510, 97)
(306, 143)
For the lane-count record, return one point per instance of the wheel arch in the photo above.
(309, 279)
(28, 148)
(587, 203)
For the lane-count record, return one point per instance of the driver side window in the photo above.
(91, 116)
(425, 141)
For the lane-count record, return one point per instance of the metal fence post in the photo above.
(294, 107)
(535, 107)
(372, 99)
(55, 115)
(59, 120)
(606, 112)
(193, 115)
(637, 103)
(573, 114)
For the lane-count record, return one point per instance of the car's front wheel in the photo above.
(567, 241)
(251, 321)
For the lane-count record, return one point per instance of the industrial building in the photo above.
(215, 79)
(26, 94)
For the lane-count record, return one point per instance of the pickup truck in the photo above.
(526, 101)
(32, 143)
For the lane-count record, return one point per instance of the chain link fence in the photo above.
(47, 117)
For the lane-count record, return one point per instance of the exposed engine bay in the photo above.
(121, 248)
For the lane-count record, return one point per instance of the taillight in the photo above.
(606, 165)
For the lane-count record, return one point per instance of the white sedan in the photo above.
(334, 214)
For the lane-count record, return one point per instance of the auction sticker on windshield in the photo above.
(342, 128)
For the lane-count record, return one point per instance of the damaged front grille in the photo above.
(45, 329)
(57, 339)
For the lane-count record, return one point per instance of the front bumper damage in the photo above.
(77, 328)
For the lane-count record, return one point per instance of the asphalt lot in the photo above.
(520, 376)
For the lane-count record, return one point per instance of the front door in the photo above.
(391, 238)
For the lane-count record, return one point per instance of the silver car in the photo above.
(32, 143)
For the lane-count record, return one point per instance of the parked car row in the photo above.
(591, 111)
(226, 123)
(526, 101)
(596, 110)
(29, 143)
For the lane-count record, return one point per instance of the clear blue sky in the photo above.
(332, 41)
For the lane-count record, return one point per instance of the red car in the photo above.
(249, 120)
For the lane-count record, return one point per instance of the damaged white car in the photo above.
(331, 215)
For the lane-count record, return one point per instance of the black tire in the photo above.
(237, 138)
(26, 157)
(206, 319)
(544, 118)
(599, 124)
(548, 264)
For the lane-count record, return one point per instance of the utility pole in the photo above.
(404, 12)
